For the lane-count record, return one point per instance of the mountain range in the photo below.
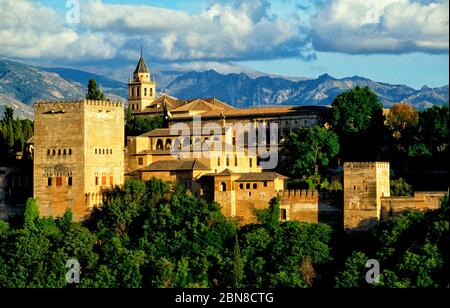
(22, 84)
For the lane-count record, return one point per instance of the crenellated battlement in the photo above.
(74, 104)
(366, 165)
(298, 194)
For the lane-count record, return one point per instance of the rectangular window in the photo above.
(96, 180)
(59, 181)
(218, 161)
(103, 180)
(265, 183)
(283, 214)
(251, 162)
(236, 160)
(228, 161)
(111, 180)
(140, 161)
(145, 91)
(69, 181)
(49, 181)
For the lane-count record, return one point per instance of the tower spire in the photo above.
(141, 51)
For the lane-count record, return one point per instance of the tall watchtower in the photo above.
(142, 88)
(78, 152)
(364, 185)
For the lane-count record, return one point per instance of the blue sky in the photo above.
(394, 41)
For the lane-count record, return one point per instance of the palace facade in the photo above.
(79, 151)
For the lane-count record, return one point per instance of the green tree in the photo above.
(31, 215)
(309, 149)
(357, 118)
(139, 125)
(238, 269)
(400, 187)
(354, 274)
(93, 92)
(433, 126)
(403, 123)
(412, 249)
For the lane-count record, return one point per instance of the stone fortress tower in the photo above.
(365, 183)
(142, 88)
(79, 151)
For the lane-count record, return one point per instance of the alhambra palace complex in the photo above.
(79, 151)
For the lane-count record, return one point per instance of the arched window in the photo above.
(103, 151)
(110, 151)
(187, 142)
(223, 186)
(255, 186)
(95, 151)
(70, 151)
(54, 152)
(64, 152)
(159, 144)
(151, 91)
(241, 186)
(218, 161)
(48, 152)
(59, 152)
(168, 144)
(236, 161)
(228, 161)
(145, 91)
(247, 186)
(177, 144)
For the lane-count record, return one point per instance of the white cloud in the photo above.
(381, 26)
(30, 30)
(226, 31)
(236, 31)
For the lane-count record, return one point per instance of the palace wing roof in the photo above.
(175, 165)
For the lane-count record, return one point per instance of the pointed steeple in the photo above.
(141, 66)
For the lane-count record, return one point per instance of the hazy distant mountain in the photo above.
(243, 91)
(21, 85)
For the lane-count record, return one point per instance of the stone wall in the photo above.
(421, 201)
(78, 152)
(364, 184)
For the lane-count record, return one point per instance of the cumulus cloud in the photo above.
(381, 26)
(31, 30)
(224, 32)
(241, 30)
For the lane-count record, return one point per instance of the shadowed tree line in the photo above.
(414, 142)
(14, 133)
(152, 234)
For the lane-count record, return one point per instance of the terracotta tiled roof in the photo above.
(158, 132)
(259, 176)
(249, 177)
(197, 105)
(216, 102)
(255, 112)
(175, 165)
(152, 152)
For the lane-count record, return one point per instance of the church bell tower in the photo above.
(142, 88)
